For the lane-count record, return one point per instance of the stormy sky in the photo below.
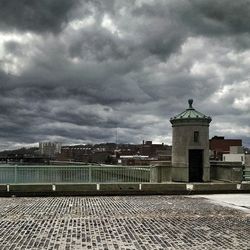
(73, 71)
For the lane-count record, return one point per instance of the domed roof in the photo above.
(190, 114)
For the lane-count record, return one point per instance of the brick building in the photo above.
(218, 146)
(154, 150)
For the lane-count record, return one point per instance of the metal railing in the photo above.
(73, 174)
(246, 174)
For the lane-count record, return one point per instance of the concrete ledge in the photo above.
(163, 188)
(214, 187)
(226, 164)
(122, 187)
(30, 188)
(75, 187)
(226, 171)
(3, 188)
(245, 186)
(72, 189)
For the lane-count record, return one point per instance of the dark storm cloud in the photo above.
(188, 18)
(74, 71)
(38, 16)
(222, 16)
(98, 44)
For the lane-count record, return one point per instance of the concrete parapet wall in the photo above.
(180, 174)
(226, 171)
(163, 188)
(225, 163)
(161, 172)
(247, 161)
(245, 186)
(162, 163)
(30, 188)
(215, 187)
(75, 187)
(3, 188)
(121, 189)
(124, 187)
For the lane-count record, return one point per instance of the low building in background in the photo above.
(98, 153)
(134, 160)
(153, 150)
(236, 150)
(234, 158)
(50, 149)
(111, 153)
(77, 153)
(143, 154)
(236, 154)
(218, 146)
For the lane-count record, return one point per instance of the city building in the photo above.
(154, 150)
(236, 154)
(234, 158)
(218, 146)
(134, 160)
(99, 153)
(50, 149)
(113, 153)
(77, 153)
(143, 154)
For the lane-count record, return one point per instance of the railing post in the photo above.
(155, 174)
(15, 173)
(150, 171)
(90, 174)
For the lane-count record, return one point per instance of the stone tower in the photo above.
(190, 146)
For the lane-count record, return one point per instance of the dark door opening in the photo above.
(195, 165)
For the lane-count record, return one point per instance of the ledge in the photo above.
(75, 187)
(72, 189)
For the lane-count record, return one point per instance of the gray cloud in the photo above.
(74, 71)
(222, 16)
(38, 16)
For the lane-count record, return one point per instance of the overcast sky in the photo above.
(73, 71)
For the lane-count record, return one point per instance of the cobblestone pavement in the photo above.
(124, 222)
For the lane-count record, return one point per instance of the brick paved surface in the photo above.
(132, 222)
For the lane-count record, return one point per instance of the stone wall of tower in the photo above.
(183, 141)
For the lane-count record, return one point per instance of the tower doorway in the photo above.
(195, 165)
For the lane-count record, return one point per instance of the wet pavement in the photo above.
(238, 201)
(121, 222)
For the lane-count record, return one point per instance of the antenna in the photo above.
(116, 137)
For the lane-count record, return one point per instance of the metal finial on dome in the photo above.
(190, 102)
(190, 114)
